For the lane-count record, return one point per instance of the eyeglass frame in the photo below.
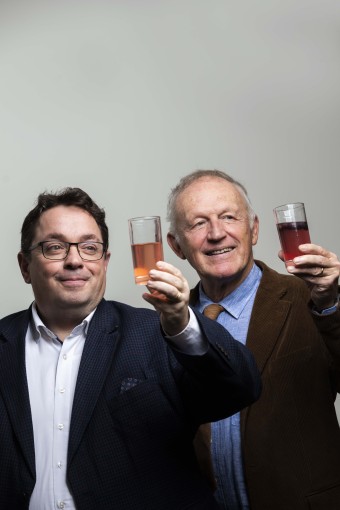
(41, 244)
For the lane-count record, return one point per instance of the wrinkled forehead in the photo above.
(209, 194)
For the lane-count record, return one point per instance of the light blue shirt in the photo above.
(226, 448)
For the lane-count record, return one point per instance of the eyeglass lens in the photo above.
(89, 250)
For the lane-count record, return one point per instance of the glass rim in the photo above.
(142, 218)
(292, 205)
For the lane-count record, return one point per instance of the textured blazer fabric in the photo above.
(136, 408)
(291, 436)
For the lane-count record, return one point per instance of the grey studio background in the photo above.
(123, 97)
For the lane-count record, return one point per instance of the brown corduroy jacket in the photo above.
(290, 436)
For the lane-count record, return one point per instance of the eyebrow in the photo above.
(62, 237)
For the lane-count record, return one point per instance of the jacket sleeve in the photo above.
(329, 328)
(222, 381)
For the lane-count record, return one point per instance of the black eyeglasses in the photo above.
(58, 250)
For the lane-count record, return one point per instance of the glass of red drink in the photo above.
(292, 227)
(146, 245)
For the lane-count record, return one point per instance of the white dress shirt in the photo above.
(52, 369)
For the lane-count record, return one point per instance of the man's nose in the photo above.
(73, 258)
(216, 229)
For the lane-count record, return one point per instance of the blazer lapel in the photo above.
(269, 313)
(194, 295)
(268, 316)
(14, 388)
(96, 360)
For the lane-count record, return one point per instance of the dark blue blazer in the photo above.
(136, 409)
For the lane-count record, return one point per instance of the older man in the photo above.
(283, 452)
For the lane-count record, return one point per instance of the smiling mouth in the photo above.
(73, 282)
(219, 252)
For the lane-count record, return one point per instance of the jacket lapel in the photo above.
(269, 313)
(268, 316)
(100, 345)
(14, 388)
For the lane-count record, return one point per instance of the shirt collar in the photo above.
(235, 302)
(39, 330)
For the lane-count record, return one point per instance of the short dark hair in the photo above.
(69, 197)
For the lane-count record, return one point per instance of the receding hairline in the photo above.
(203, 175)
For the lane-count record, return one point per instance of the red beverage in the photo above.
(144, 258)
(291, 236)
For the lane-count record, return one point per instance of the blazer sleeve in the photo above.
(222, 381)
(329, 327)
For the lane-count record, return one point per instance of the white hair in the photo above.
(194, 176)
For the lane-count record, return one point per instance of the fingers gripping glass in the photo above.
(58, 250)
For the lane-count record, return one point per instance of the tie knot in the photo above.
(213, 311)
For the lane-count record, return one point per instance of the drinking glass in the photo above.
(292, 227)
(146, 245)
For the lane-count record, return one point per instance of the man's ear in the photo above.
(24, 267)
(173, 243)
(255, 231)
(107, 257)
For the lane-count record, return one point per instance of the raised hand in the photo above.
(169, 294)
(320, 269)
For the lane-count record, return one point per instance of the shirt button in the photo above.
(60, 426)
(64, 356)
(59, 465)
(62, 390)
(61, 504)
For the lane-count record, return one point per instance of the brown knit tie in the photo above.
(213, 311)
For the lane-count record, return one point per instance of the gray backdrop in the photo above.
(122, 98)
